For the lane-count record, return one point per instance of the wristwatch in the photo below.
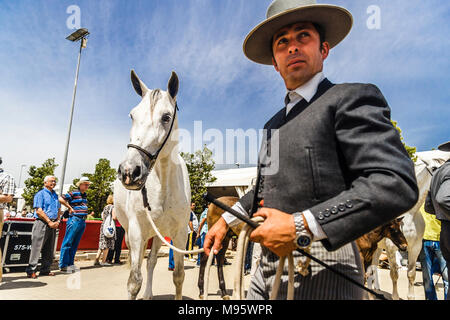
(303, 238)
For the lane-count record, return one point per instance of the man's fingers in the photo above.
(207, 245)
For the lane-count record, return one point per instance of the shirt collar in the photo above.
(306, 91)
(309, 89)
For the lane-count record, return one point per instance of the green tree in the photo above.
(411, 150)
(36, 180)
(101, 186)
(199, 165)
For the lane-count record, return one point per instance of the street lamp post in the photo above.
(80, 34)
(20, 176)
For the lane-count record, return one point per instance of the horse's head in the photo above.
(393, 231)
(153, 121)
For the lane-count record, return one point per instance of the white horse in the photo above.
(154, 175)
(413, 228)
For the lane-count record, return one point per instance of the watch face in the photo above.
(304, 241)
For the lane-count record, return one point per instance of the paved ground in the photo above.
(105, 283)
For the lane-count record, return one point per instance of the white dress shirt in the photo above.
(307, 92)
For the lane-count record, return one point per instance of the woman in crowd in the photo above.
(105, 244)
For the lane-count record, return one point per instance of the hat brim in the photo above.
(336, 21)
(79, 183)
(445, 147)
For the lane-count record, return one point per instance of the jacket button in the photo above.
(327, 213)
(320, 216)
(334, 210)
(341, 207)
(349, 204)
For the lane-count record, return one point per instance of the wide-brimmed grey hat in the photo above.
(335, 21)
(445, 147)
(83, 180)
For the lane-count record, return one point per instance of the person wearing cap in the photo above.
(43, 234)
(331, 166)
(7, 191)
(76, 202)
(438, 203)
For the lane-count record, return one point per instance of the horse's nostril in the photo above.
(136, 172)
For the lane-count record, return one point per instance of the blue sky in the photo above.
(407, 58)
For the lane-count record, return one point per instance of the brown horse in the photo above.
(213, 215)
(368, 243)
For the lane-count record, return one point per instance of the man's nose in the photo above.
(293, 49)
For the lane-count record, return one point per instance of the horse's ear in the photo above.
(173, 85)
(139, 86)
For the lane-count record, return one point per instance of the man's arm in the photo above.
(429, 207)
(6, 198)
(443, 196)
(382, 182)
(65, 203)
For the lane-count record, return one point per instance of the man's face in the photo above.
(50, 183)
(84, 187)
(192, 206)
(297, 53)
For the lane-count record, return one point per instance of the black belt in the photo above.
(52, 220)
(79, 217)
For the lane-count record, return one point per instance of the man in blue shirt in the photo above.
(76, 202)
(48, 212)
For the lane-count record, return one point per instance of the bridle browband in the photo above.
(153, 157)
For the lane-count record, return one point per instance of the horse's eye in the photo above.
(166, 118)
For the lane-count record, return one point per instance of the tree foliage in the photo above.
(36, 180)
(101, 186)
(411, 150)
(199, 165)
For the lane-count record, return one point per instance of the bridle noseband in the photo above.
(153, 157)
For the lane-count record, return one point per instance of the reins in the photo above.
(251, 224)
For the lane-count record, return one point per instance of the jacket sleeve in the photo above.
(429, 204)
(382, 178)
(443, 196)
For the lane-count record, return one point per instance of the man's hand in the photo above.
(53, 225)
(277, 233)
(215, 236)
(5, 198)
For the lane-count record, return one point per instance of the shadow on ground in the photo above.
(7, 285)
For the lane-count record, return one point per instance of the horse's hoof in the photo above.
(227, 297)
(200, 297)
(411, 298)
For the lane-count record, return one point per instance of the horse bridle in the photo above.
(427, 167)
(153, 157)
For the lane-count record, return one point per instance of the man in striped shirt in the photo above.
(76, 202)
(7, 190)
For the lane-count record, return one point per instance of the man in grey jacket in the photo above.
(331, 167)
(438, 203)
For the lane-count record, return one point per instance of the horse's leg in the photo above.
(151, 263)
(136, 249)
(391, 250)
(413, 254)
(372, 273)
(178, 273)
(201, 275)
(220, 258)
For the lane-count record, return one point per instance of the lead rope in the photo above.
(238, 292)
(160, 236)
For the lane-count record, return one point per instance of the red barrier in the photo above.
(91, 236)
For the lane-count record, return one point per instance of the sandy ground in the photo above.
(109, 283)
